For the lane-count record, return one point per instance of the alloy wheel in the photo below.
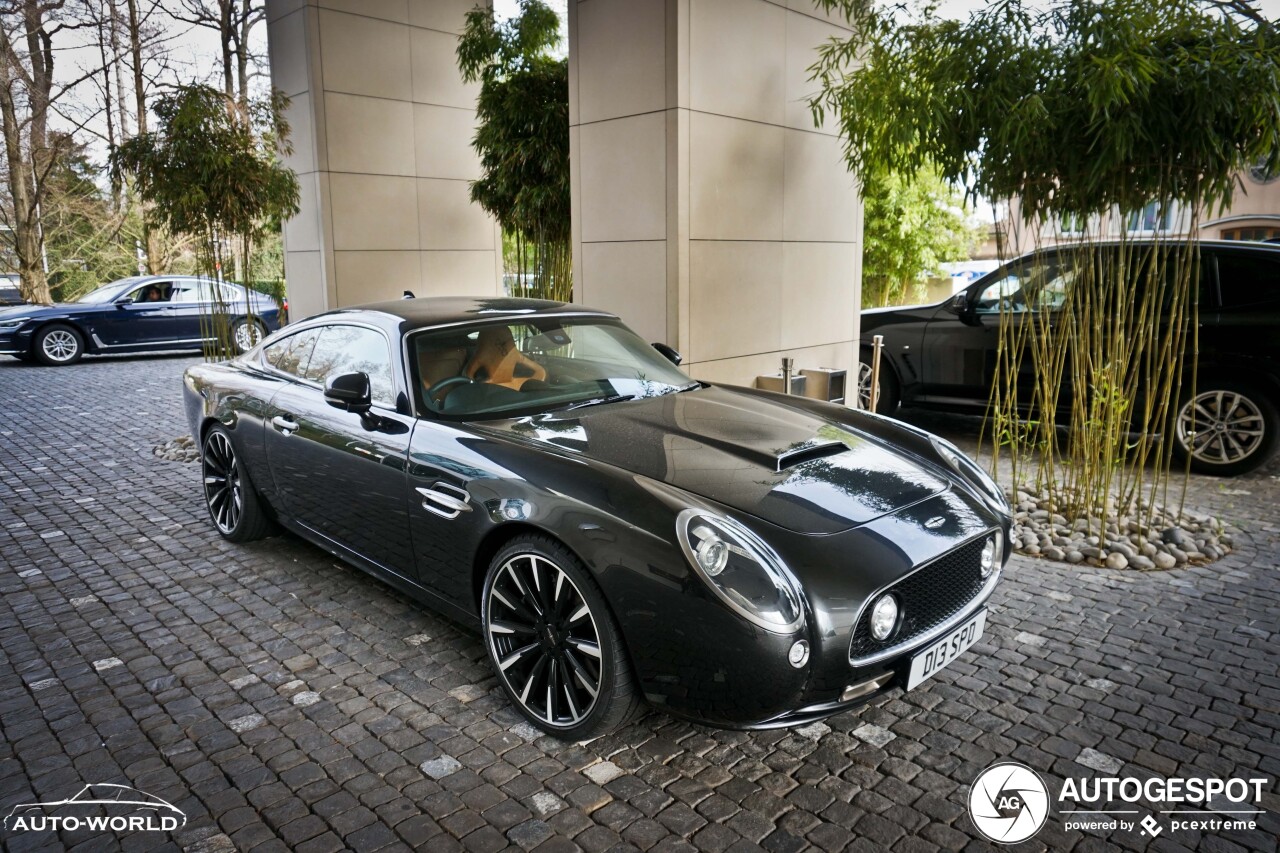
(247, 335)
(1221, 427)
(864, 386)
(60, 345)
(222, 490)
(545, 640)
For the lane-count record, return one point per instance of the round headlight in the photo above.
(991, 553)
(712, 552)
(884, 617)
(799, 654)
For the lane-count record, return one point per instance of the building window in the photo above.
(1154, 217)
(1255, 232)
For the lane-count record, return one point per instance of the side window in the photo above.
(155, 291)
(187, 291)
(353, 349)
(292, 354)
(1248, 281)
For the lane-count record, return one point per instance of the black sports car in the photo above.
(139, 314)
(616, 529)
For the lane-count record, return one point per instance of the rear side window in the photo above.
(353, 349)
(292, 354)
(1248, 280)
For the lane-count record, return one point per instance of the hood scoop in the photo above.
(809, 453)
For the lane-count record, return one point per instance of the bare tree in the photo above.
(234, 21)
(27, 28)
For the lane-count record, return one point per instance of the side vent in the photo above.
(810, 453)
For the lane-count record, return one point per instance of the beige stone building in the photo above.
(708, 210)
(1254, 214)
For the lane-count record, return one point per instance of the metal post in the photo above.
(788, 367)
(877, 344)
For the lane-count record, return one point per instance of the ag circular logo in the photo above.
(1008, 802)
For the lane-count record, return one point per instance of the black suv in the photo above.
(943, 356)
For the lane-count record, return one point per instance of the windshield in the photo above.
(107, 292)
(537, 365)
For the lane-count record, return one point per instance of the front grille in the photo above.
(926, 599)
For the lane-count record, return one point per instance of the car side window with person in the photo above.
(507, 367)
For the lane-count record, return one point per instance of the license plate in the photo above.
(946, 649)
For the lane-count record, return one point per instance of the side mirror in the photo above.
(958, 304)
(123, 301)
(669, 353)
(349, 392)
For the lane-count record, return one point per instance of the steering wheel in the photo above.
(445, 385)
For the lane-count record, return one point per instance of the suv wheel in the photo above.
(1227, 428)
(888, 388)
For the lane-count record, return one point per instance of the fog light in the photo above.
(990, 554)
(884, 617)
(799, 654)
(712, 552)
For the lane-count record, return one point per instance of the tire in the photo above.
(233, 503)
(1228, 428)
(58, 345)
(889, 395)
(246, 333)
(535, 658)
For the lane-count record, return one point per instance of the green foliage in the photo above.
(212, 174)
(1072, 106)
(911, 226)
(207, 172)
(523, 137)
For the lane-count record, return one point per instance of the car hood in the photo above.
(31, 310)
(756, 454)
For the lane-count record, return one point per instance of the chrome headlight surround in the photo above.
(992, 554)
(969, 471)
(741, 569)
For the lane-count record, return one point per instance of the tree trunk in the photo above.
(152, 244)
(34, 286)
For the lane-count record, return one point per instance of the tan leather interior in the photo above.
(438, 365)
(497, 360)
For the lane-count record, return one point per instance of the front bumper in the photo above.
(15, 342)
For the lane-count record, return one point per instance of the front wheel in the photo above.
(553, 642)
(246, 334)
(58, 345)
(1227, 428)
(233, 503)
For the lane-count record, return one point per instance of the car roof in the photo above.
(1169, 243)
(429, 311)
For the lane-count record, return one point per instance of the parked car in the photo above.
(615, 529)
(943, 356)
(144, 313)
(10, 294)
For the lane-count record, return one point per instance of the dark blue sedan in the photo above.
(144, 313)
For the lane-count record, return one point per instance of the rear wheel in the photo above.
(1227, 428)
(889, 398)
(58, 345)
(229, 494)
(246, 333)
(553, 642)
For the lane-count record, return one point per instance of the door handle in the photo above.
(448, 504)
(285, 424)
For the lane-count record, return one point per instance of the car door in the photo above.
(135, 319)
(961, 351)
(341, 474)
(190, 302)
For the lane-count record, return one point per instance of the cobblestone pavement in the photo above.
(285, 702)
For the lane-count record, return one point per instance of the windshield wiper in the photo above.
(599, 401)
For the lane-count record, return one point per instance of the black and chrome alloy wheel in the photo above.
(222, 488)
(58, 345)
(1230, 428)
(544, 639)
(246, 334)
